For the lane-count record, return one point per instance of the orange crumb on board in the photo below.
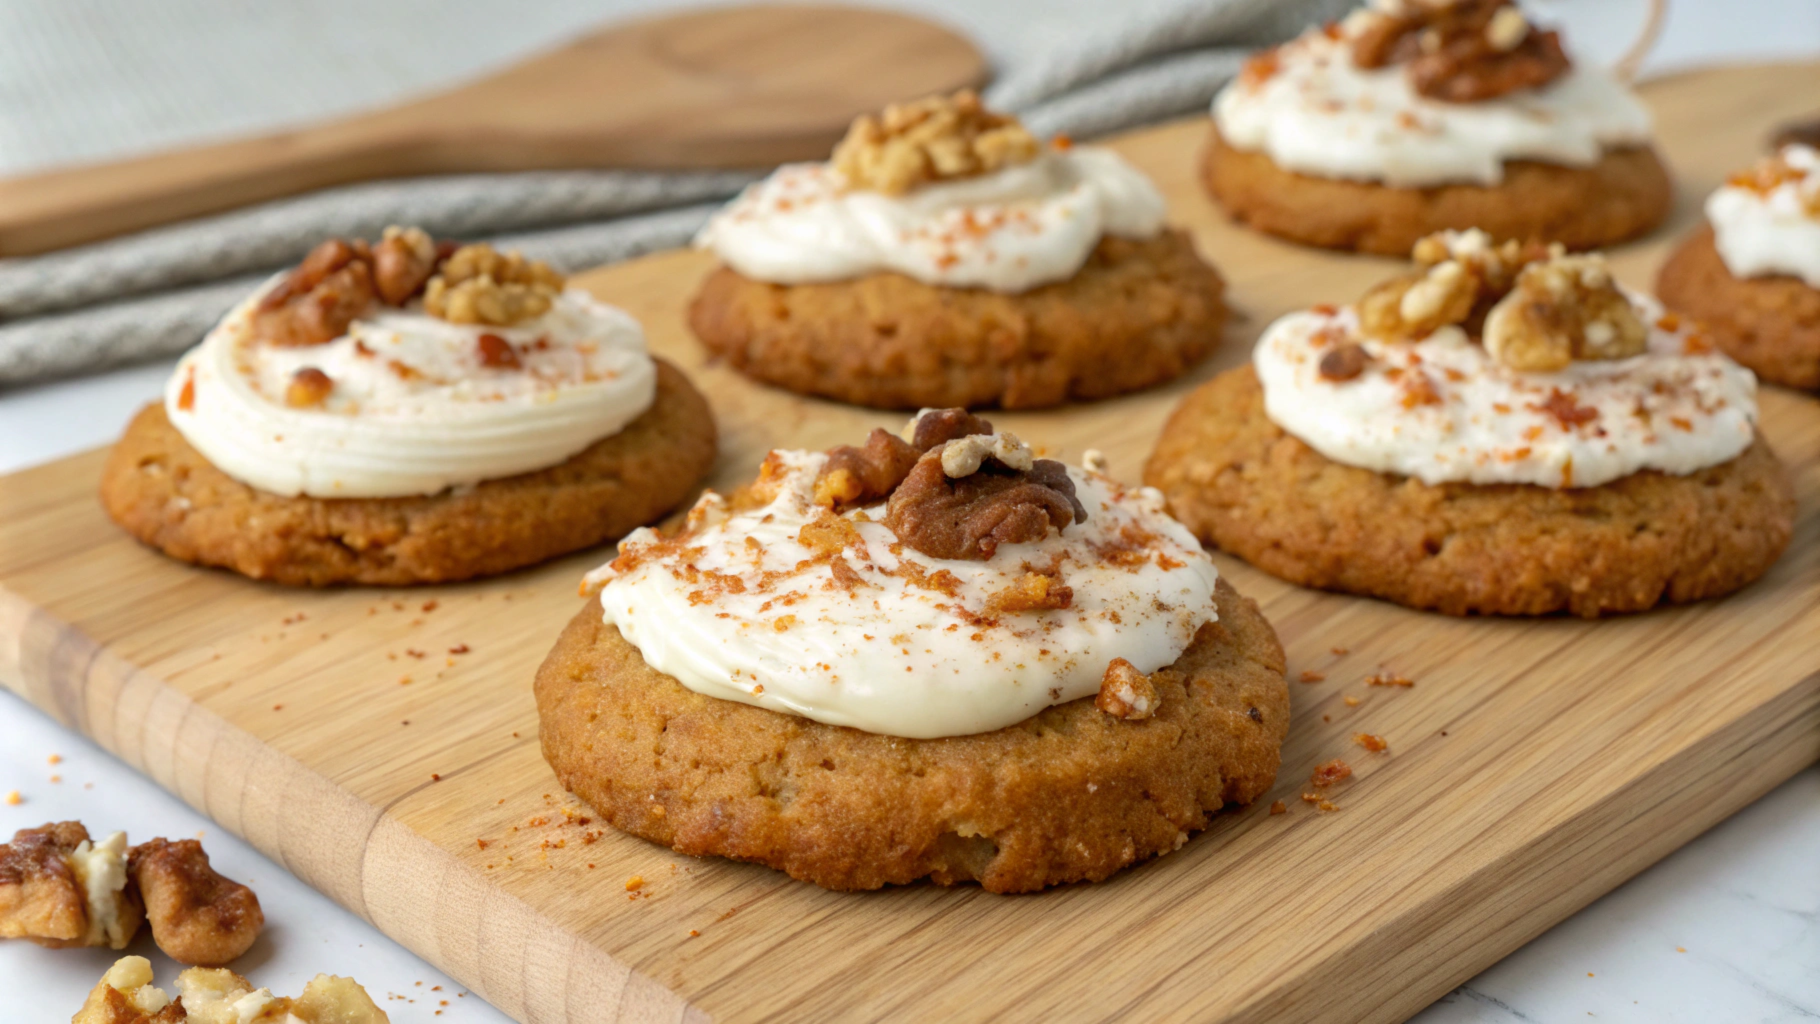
(1389, 678)
(1341, 651)
(1329, 772)
(1375, 744)
(1352, 702)
(635, 883)
(1311, 676)
(1279, 807)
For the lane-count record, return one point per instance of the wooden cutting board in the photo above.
(1532, 766)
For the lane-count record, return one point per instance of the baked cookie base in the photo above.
(162, 491)
(1624, 195)
(1242, 483)
(1139, 313)
(1071, 794)
(1770, 324)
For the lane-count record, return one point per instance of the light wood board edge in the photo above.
(365, 860)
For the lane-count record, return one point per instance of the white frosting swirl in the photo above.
(1010, 230)
(1320, 114)
(1763, 232)
(413, 410)
(1679, 407)
(907, 652)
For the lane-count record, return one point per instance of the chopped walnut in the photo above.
(1127, 693)
(854, 475)
(126, 995)
(1562, 310)
(964, 456)
(1459, 51)
(934, 139)
(1462, 275)
(219, 996)
(968, 517)
(479, 285)
(1033, 591)
(857, 475)
(403, 261)
(1344, 363)
(197, 916)
(308, 387)
(329, 290)
(59, 889)
(497, 352)
(1094, 461)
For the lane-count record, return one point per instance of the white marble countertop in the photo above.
(1727, 929)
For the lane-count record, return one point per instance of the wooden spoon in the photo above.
(734, 87)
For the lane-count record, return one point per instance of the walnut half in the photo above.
(1459, 51)
(59, 889)
(197, 916)
(970, 515)
(1562, 310)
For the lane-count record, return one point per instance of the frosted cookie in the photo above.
(945, 257)
(408, 413)
(1505, 432)
(1751, 273)
(1416, 116)
(934, 658)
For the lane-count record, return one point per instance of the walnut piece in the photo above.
(1462, 275)
(1344, 363)
(219, 996)
(126, 995)
(403, 261)
(197, 916)
(1561, 310)
(480, 285)
(308, 387)
(329, 290)
(939, 138)
(969, 517)
(59, 889)
(1127, 693)
(341, 279)
(1459, 51)
(1033, 591)
(858, 475)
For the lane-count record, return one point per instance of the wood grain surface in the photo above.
(743, 86)
(1532, 766)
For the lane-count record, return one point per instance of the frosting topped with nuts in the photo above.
(1505, 364)
(943, 584)
(1766, 221)
(942, 191)
(1426, 92)
(405, 368)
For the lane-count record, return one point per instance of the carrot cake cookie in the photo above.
(1751, 273)
(1415, 116)
(408, 412)
(935, 657)
(1506, 431)
(945, 257)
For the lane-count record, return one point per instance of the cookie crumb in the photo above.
(1329, 772)
(635, 883)
(1386, 677)
(1279, 807)
(1311, 676)
(13, 799)
(1375, 744)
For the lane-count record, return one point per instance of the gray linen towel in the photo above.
(104, 77)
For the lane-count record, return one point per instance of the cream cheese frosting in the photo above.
(741, 609)
(414, 408)
(1009, 230)
(1311, 109)
(1443, 410)
(1775, 230)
